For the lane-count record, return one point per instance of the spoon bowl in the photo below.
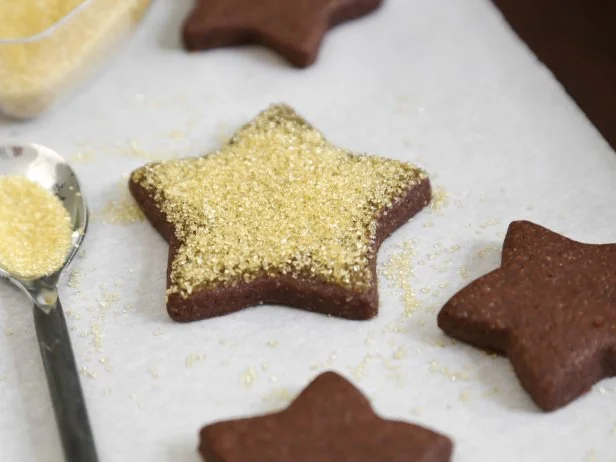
(50, 171)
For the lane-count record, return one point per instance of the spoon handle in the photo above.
(63, 380)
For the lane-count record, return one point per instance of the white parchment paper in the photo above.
(442, 83)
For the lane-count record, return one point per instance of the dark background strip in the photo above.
(576, 39)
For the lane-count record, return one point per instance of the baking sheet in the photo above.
(444, 84)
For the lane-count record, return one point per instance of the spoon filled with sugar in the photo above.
(43, 220)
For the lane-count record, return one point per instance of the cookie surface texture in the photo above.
(278, 215)
(293, 28)
(330, 421)
(551, 308)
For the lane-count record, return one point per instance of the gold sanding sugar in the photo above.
(36, 70)
(121, 212)
(278, 199)
(35, 228)
(24, 18)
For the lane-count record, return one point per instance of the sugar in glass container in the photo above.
(48, 47)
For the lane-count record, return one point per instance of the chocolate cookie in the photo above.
(576, 39)
(330, 421)
(294, 28)
(278, 215)
(551, 308)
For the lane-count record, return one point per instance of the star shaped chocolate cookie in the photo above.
(294, 28)
(551, 308)
(330, 421)
(278, 215)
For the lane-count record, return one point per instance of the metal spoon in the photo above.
(49, 170)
